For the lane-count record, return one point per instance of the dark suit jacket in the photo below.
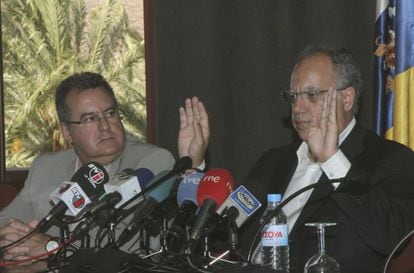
(373, 211)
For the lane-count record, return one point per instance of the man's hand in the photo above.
(38, 266)
(32, 246)
(323, 133)
(194, 131)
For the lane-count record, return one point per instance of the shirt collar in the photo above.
(344, 134)
(78, 165)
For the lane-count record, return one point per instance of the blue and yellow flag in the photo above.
(394, 68)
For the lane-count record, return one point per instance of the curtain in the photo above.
(237, 57)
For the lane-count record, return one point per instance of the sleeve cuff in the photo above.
(336, 167)
(202, 166)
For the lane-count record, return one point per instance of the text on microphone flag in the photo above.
(73, 196)
(78, 201)
(246, 201)
(96, 175)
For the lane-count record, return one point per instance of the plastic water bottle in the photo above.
(274, 237)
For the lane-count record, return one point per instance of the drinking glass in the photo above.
(321, 262)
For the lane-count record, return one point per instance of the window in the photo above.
(43, 42)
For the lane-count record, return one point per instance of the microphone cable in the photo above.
(396, 248)
(31, 233)
(4, 263)
(281, 205)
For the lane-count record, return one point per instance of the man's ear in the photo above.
(348, 97)
(64, 130)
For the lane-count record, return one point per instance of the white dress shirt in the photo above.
(308, 172)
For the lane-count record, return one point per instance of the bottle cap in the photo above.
(274, 197)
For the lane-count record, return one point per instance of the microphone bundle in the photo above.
(212, 191)
(151, 206)
(183, 207)
(91, 198)
(86, 185)
(188, 207)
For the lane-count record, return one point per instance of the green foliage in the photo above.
(44, 41)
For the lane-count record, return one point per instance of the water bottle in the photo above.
(274, 237)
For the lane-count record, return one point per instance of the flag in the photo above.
(394, 71)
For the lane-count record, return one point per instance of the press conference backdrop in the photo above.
(237, 57)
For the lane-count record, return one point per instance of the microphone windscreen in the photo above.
(86, 184)
(91, 177)
(162, 191)
(215, 185)
(157, 177)
(144, 176)
(187, 190)
(182, 164)
(125, 183)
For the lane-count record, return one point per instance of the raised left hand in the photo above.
(194, 131)
(323, 133)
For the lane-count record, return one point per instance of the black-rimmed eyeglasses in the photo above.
(111, 114)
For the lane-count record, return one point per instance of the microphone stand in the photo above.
(65, 236)
(111, 233)
(64, 233)
(163, 236)
(106, 215)
(145, 240)
(163, 241)
(280, 206)
(233, 239)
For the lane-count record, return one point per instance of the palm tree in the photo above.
(44, 41)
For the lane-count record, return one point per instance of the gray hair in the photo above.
(347, 72)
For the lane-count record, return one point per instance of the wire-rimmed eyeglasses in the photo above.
(311, 95)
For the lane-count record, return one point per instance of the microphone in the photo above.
(234, 211)
(144, 176)
(129, 183)
(187, 202)
(98, 214)
(187, 190)
(88, 185)
(351, 185)
(213, 189)
(239, 206)
(123, 187)
(149, 206)
(181, 165)
(160, 191)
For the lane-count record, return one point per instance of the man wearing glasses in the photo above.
(91, 121)
(371, 206)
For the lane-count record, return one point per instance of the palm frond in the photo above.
(78, 16)
(44, 41)
(101, 19)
